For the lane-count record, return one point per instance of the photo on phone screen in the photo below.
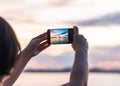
(60, 36)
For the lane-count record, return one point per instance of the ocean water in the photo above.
(57, 79)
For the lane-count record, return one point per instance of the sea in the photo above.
(57, 79)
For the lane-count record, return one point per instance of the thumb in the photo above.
(75, 30)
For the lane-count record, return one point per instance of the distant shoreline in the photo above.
(48, 70)
(94, 70)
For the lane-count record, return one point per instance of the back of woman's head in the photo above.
(9, 47)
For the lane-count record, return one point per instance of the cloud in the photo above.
(51, 64)
(44, 61)
(100, 57)
(109, 19)
(108, 58)
(60, 2)
(109, 64)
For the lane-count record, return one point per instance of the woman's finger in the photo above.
(43, 45)
(75, 30)
(41, 37)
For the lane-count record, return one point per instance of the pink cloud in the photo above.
(107, 65)
(44, 65)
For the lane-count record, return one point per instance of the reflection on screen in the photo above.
(59, 36)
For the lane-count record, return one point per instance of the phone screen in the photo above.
(60, 36)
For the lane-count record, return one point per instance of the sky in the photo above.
(98, 21)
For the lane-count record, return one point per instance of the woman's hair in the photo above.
(9, 47)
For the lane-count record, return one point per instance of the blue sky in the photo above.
(59, 32)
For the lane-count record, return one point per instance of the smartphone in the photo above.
(60, 35)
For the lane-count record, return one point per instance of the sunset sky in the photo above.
(98, 21)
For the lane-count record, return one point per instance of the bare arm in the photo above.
(79, 74)
(36, 45)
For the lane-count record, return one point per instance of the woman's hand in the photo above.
(37, 45)
(79, 74)
(79, 42)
